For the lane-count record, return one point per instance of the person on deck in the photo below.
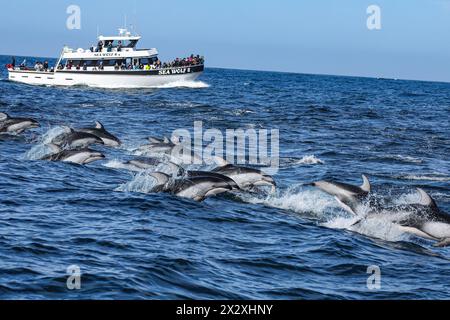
(99, 46)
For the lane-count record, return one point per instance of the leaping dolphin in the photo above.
(100, 131)
(197, 188)
(79, 156)
(245, 177)
(215, 175)
(423, 219)
(347, 195)
(16, 125)
(76, 139)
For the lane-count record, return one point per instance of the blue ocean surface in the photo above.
(295, 244)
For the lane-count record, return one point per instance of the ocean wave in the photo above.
(402, 158)
(430, 177)
(305, 160)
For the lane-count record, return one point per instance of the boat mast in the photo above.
(59, 60)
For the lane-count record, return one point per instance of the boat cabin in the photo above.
(110, 53)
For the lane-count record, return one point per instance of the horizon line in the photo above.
(278, 71)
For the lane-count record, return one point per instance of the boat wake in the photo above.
(176, 84)
(194, 84)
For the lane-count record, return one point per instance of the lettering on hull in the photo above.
(167, 72)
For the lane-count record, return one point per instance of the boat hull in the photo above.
(108, 79)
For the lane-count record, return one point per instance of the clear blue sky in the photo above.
(308, 36)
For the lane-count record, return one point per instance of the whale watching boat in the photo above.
(114, 63)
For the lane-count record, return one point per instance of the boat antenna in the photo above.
(125, 26)
(134, 17)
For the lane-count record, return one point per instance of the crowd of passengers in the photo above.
(38, 66)
(156, 64)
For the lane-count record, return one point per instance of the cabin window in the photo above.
(123, 43)
(130, 44)
(91, 63)
(112, 62)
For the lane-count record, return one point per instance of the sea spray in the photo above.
(42, 149)
(142, 182)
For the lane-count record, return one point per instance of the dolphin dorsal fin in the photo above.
(3, 116)
(166, 140)
(221, 162)
(153, 140)
(99, 125)
(426, 199)
(366, 184)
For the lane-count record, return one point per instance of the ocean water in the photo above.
(295, 244)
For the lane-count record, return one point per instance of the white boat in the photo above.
(114, 63)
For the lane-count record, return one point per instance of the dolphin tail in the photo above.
(366, 184)
(356, 223)
(3, 116)
(345, 206)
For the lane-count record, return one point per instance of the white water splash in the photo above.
(52, 133)
(379, 227)
(304, 201)
(38, 152)
(142, 182)
(316, 204)
(310, 159)
(42, 149)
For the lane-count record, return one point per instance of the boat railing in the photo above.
(126, 69)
